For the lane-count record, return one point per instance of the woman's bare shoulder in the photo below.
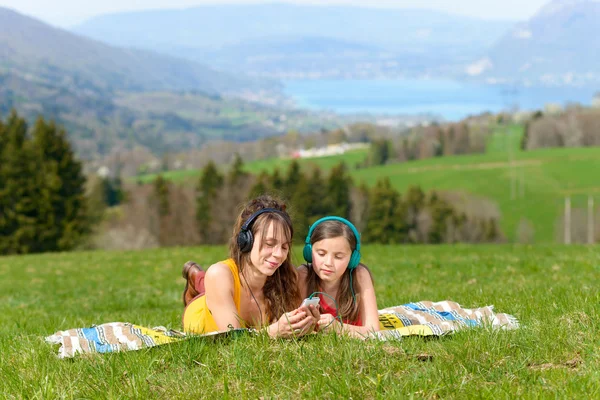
(219, 271)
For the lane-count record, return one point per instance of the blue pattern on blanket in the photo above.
(443, 315)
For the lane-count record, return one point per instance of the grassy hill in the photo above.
(531, 187)
(551, 291)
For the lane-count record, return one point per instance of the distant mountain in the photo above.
(560, 45)
(110, 98)
(28, 46)
(285, 40)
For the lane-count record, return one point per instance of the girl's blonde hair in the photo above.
(281, 289)
(348, 308)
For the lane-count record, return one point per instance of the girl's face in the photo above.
(268, 254)
(331, 257)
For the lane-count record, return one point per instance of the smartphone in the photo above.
(307, 302)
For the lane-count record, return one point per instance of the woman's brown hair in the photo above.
(281, 289)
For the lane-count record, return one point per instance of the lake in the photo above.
(451, 100)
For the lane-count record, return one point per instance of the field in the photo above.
(551, 289)
(529, 187)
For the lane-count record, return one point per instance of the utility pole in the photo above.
(567, 220)
(522, 184)
(591, 238)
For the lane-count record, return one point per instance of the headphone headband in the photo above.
(247, 225)
(355, 257)
(245, 239)
(334, 218)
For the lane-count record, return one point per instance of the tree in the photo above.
(161, 193)
(64, 185)
(384, 224)
(19, 190)
(380, 152)
(317, 195)
(300, 203)
(413, 204)
(261, 186)
(338, 189)
(208, 186)
(294, 175)
(444, 218)
(236, 172)
(277, 182)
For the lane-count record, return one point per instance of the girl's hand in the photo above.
(293, 324)
(328, 321)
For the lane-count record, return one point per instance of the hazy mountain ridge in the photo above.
(278, 40)
(557, 46)
(29, 46)
(88, 87)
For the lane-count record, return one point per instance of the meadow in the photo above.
(552, 290)
(529, 187)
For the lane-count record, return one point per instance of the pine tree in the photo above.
(65, 221)
(294, 175)
(236, 172)
(384, 223)
(443, 216)
(300, 205)
(208, 186)
(277, 182)
(19, 191)
(261, 186)
(317, 196)
(338, 189)
(161, 193)
(413, 203)
(380, 152)
(4, 222)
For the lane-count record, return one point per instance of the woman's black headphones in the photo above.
(245, 239)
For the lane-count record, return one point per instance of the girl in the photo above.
(345, 287)
(256, 285)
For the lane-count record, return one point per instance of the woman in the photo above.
(256, 285)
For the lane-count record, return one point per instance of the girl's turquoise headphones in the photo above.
(354, 258)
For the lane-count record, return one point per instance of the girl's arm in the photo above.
(302, 277)
(368, 308)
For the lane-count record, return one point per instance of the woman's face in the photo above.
(268, 254)
(331, 258)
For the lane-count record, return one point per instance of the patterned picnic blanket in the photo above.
(424, 318)
(111, 337)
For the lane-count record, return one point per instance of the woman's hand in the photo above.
(328, 322)
(295, 323)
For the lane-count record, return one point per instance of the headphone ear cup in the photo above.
(307, 252)
(245, 241)
(354, 260)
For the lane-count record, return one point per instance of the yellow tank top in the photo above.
(197, 318)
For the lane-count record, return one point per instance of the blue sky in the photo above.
(66, 13)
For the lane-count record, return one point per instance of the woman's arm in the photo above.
(219, 286)
(368, 308)
(299, 321)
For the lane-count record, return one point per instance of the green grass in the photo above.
(526, 185)
(351, 158)
(552, 290)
